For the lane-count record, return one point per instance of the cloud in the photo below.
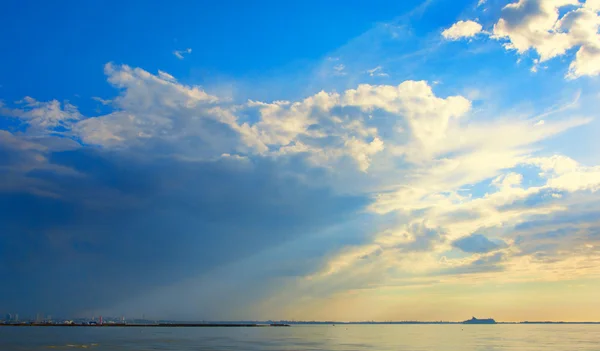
(377, 72)
(181, 53)
(462, 29)
(477, 243)
(537, 25)
(508, 180)
(339, 70)
(427, 115)
(154, 111)
(166, 76)
(593, 5)
(148, 105)
(141, 223)
(189, 151)
(564, 173)
(179, 187)
(451, 220)
(101, 100)
(481, 266)
(43, 117)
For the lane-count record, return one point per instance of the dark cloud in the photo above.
(554, 245)
(573, 232)
(477, 243)
(129, 224)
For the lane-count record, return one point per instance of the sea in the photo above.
(553, 337)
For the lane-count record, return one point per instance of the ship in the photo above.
(480, 321)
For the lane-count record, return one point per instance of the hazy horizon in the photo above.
(393, 160)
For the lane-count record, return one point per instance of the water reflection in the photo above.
(341, 337)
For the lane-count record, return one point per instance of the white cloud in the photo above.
(101, 100)
(44, 117)
(593, 5)
(181, 53)
(530, 24)
(564, 173)
(427, 115)
(331, 130)
(377, 72)
(462, 29)
(301, 127)
(158, 109)
(166, 76)
(508, 180)
(536, 25)
(339, 69)
(146, 108)
(585, 178)
(555, 164)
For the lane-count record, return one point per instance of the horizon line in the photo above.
(312, 321)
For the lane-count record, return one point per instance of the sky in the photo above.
(387, 160)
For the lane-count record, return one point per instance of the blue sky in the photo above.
(230, 39)
(387, 160)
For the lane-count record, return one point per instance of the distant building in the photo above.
(8, 317)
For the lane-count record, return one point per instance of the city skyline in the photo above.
(414, 160)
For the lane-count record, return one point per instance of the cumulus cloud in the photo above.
(462, 29)
(156, 110)
(427, 115)
(538, 25)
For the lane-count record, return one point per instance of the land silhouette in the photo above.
(269, 323)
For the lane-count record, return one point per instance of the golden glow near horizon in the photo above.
(568, 301)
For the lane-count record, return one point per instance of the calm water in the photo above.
(355, 337)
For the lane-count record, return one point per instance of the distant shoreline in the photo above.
(255, 325)
(162, 325)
